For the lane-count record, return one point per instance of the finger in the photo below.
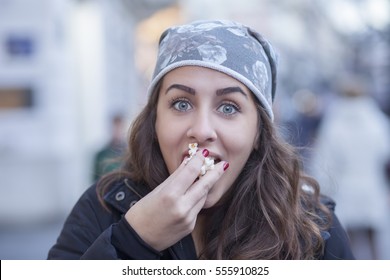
(200, 189)
(187, 173)
(202, 199)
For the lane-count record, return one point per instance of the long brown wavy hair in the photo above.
(272, 210)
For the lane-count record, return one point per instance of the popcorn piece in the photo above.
(208, 163)
(193, 148)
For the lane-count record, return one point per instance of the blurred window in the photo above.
(15, 98)
(20, 46)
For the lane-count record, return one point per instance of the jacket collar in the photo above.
(124, 194)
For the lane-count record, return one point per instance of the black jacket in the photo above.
(92, 232)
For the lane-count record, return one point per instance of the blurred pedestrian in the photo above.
(351, 150)
(302, 129)
(108, 158)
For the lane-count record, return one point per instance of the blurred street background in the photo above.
(68, 67)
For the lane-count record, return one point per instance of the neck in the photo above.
(197, 234)
(202, 226)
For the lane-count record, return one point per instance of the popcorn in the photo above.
(193, 148)
(208, 163)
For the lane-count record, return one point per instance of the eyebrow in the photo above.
(219, 92)
(230, 90)
(181, 87)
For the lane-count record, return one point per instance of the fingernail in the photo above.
(225, 166)
(205, 152)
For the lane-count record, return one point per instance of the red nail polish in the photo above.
(205, 152)
(225, 166)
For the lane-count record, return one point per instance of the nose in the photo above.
(202, 128)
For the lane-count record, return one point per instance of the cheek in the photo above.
(241, 145)
(169, 132)
(169, 138)
(161, 130)
(239, 149)
(164, 139)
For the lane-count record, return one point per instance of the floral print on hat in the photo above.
(226, 46)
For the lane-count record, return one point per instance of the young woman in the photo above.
(213, 85)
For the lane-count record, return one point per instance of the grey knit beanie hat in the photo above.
(225, 46)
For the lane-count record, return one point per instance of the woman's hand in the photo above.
(169, 212)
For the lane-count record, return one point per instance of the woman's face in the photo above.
(210, 108)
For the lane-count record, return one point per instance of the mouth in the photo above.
(210, 157)
(209, 161)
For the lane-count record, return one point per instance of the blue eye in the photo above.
(228, 109)
(181, 105)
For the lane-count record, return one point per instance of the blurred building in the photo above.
(40, 151)
(66, 67)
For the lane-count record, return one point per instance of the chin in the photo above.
(217, 194)
(208, 205)
(211, 201)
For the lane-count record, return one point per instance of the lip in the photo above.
(211, 154)
(215, 156)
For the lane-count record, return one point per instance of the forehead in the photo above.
(196, 76)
